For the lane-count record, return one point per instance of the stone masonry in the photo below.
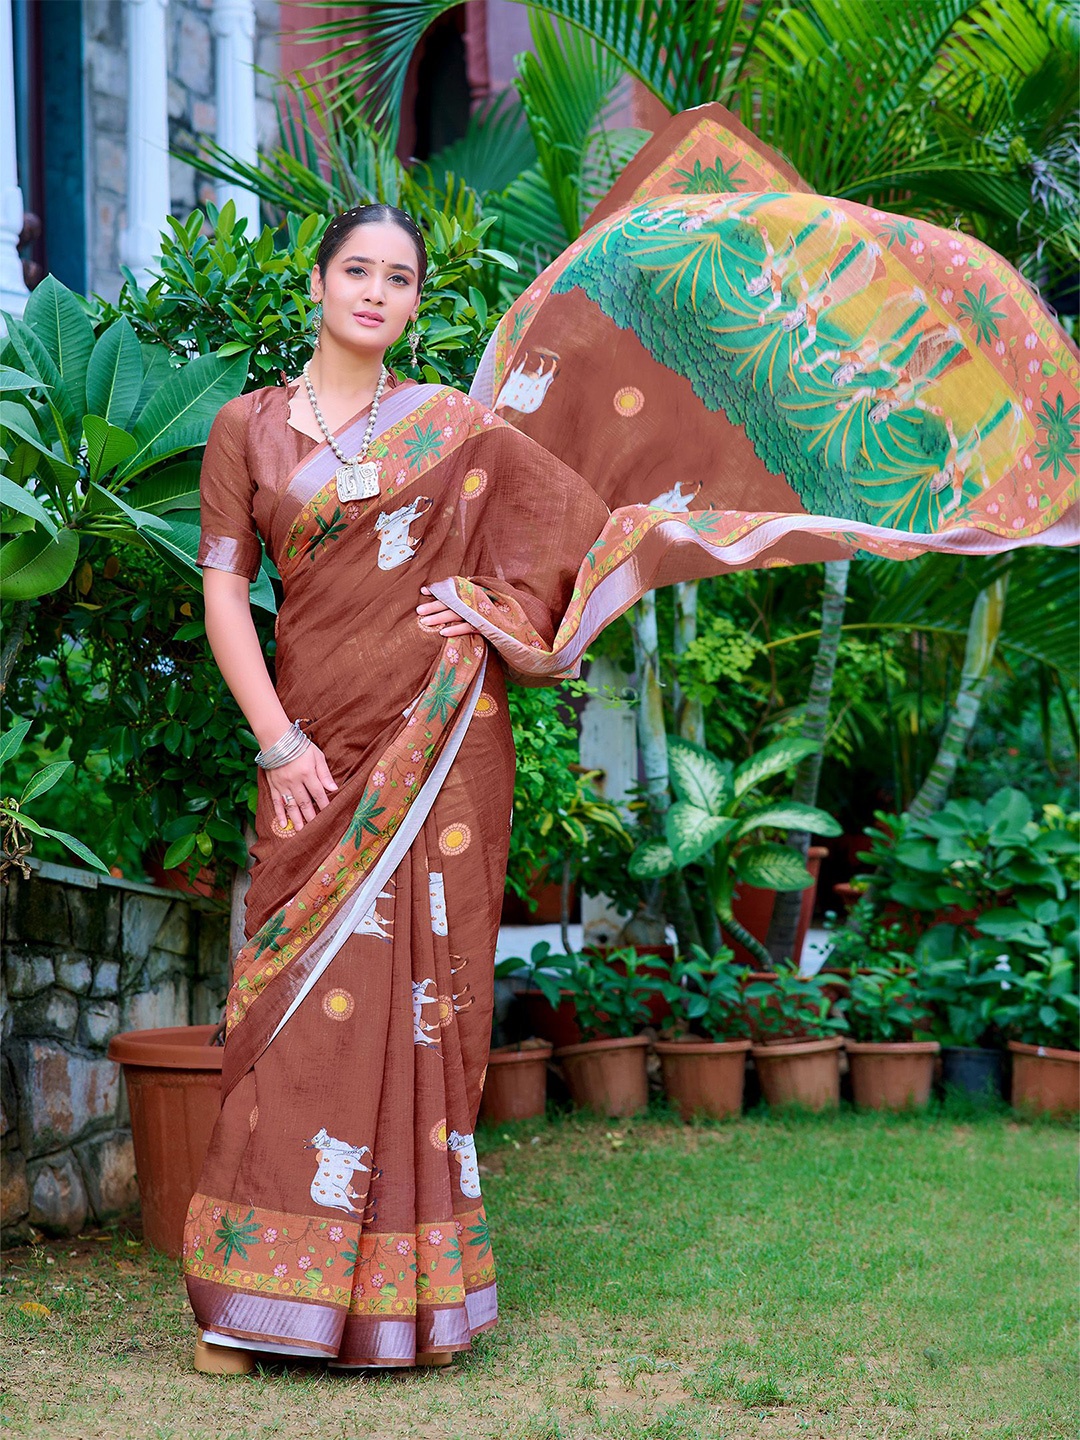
(192, 112)
(85, 957)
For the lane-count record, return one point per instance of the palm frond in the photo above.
(686, 52)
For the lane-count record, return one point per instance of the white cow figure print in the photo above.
(464, 1148)
(373, 923)
(396, 545)
(422, 1030)
(337, 1161)
(437, 892)
(525, 390)
(674, 499)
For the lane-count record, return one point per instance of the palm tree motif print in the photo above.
(329, 529)
(717, 179)
(424, 441)
(1060, 442)
(364, 817)
(236, 1235)
(795, 320)
(443, 694)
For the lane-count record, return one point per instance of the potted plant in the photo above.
(515, 1081)
(716, 828)
(890, 1068)
(545, 997)
(1045, 1061)
(799, 1037)
(704, 1046)
(605, 1072)
(962, 980)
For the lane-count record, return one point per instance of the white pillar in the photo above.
(234, 64)
(148, 197)
(13, 291)
(608, 743)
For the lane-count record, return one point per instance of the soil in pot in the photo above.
(975, 1072)
(801, 1072)
(515, 1083)
(894, 1076)
(607, 1076)
(1044, 1080)
(703, 1077)
(173, 1079)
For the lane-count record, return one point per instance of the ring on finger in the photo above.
(288, 800)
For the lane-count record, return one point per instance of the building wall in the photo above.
(192, 112)
(85, 957)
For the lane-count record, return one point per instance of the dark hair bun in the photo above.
(342, 226)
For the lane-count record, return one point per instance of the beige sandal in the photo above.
(434, 1357)
(222, 1359)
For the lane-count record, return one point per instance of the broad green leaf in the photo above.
(114, 376)
(19, 421)
(178, 852)
(64, 328)
(1007, 811)
(12, 379)
(176, 487)
(141, 519)
(773, 760)
(182, 410)
(36, 563)
(12, 739)
(156, 370)
(107, 446)
(262, 592)
(36, 360)
(651, 861)
(699, 777)
(790, 815)
(772, 867)
(44, 779)
(17, 497)
(78, 848)
(692, 832)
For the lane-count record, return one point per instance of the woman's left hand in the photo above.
(436, 616)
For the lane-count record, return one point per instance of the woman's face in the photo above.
(370, 289)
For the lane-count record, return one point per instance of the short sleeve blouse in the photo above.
(229, 539)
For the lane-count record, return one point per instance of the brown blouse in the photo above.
(251, 453)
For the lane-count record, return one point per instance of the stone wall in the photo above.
(85, 957)
(192, 112)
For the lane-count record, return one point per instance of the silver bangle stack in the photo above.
(293, 743)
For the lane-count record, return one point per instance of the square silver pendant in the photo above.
(357, 481)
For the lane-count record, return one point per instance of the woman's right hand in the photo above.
(299, 789)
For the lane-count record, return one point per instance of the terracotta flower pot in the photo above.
(607, 1076)
(1045, 1080)
(704, 1077)
(515, 1085)
(894, 1076)
(800, 1072)
(173, 1079)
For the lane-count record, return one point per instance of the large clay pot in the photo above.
(894, 1076)
(607, 1076)
(1045, 1080)
(704, 1077)
(800, 1072)
(173, 1079)
(515, 1085)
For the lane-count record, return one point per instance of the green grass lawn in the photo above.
(838, 1278)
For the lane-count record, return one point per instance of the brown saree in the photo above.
(754, 376)
(340, 1212)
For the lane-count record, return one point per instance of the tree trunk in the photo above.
(13, 641)
(982, 637)
(652, 744)
(785, 919)
(689, 714)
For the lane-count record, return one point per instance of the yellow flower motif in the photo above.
(628, 401)
(338, 1004)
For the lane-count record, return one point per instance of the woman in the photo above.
(756, 377)
(340, 1212)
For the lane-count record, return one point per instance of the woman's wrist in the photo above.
(270, 732)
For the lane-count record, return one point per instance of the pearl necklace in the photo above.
(357, 478)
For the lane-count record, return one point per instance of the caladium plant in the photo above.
(719, 823)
